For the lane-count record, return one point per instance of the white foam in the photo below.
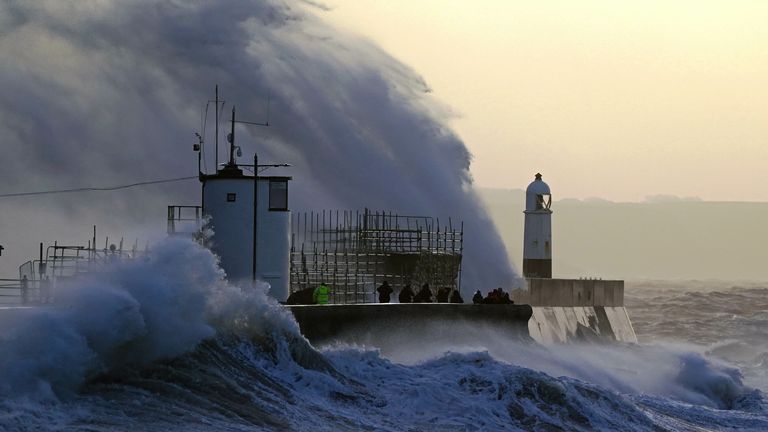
(159, 306)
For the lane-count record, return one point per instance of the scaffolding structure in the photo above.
(38, 278)
(353, 252)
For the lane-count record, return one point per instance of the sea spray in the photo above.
(163, 343)
(674, 370)
(136, 311)
(109, 92)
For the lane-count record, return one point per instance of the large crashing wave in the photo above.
(164, 343)
(158, 306)
(110, 91)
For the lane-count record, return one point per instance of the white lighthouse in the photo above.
(250, 220)
(537, 246)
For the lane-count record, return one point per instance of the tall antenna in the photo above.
(216, 137)
(231, 139)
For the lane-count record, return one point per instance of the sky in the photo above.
(617, 100)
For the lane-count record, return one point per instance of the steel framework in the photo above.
(355, 251)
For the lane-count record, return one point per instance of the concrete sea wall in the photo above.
(384, 325)
(571, 292)
(568, 310)
(370, 323)
(558, 324)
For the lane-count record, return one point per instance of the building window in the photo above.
(278, 195)
(231, 197)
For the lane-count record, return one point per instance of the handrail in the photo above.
(181, 213)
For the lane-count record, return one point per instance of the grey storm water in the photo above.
(104, 93)
(151, 344)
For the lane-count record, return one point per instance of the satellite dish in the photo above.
(239, 152)
(229, 138)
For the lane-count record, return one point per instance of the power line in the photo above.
(91, 189)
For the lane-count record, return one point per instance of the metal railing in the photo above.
(24, 292)
(184, 219)
(38, 279)
(10, 291)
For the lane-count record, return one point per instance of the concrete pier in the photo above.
(382, 324)
(367, 323)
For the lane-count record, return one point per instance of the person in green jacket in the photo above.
(320, 296)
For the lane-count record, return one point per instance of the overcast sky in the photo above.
(618, 100)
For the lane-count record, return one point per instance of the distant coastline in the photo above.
(664, 238)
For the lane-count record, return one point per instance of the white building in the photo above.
(537, 241)
(251, 226)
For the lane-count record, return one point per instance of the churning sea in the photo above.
(163, 344)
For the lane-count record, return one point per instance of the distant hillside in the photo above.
(666, 239)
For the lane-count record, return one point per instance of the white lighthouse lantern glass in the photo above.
(543, 201)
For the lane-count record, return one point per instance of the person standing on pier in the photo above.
(442, 295)
(456, 297)
(321, 294)
(406, 294)
(384, 291)
(477, 298)
(424, 295)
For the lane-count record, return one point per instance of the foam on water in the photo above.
(726, 319)
(134, 312)
(163, 343)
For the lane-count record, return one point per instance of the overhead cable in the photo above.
(92, 189)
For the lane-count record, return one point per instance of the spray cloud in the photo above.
(103, 92)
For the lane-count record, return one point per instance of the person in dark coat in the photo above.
(424, 295)
(456, 297)
(493, 297)
(384, 291)
(406, 294)
(303, 297)
(505, 299)
(477, 298)
(442, 295)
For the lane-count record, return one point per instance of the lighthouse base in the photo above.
(537, 268)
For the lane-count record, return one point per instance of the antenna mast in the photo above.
(231, 139)
(216, 137)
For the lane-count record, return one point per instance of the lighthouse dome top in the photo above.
(537, 196)
(538, 187)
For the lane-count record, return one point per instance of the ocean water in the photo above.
(725, 320)
(162, 344)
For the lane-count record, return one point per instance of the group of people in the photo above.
(497, 296)
(406, 295)
(321, 295)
